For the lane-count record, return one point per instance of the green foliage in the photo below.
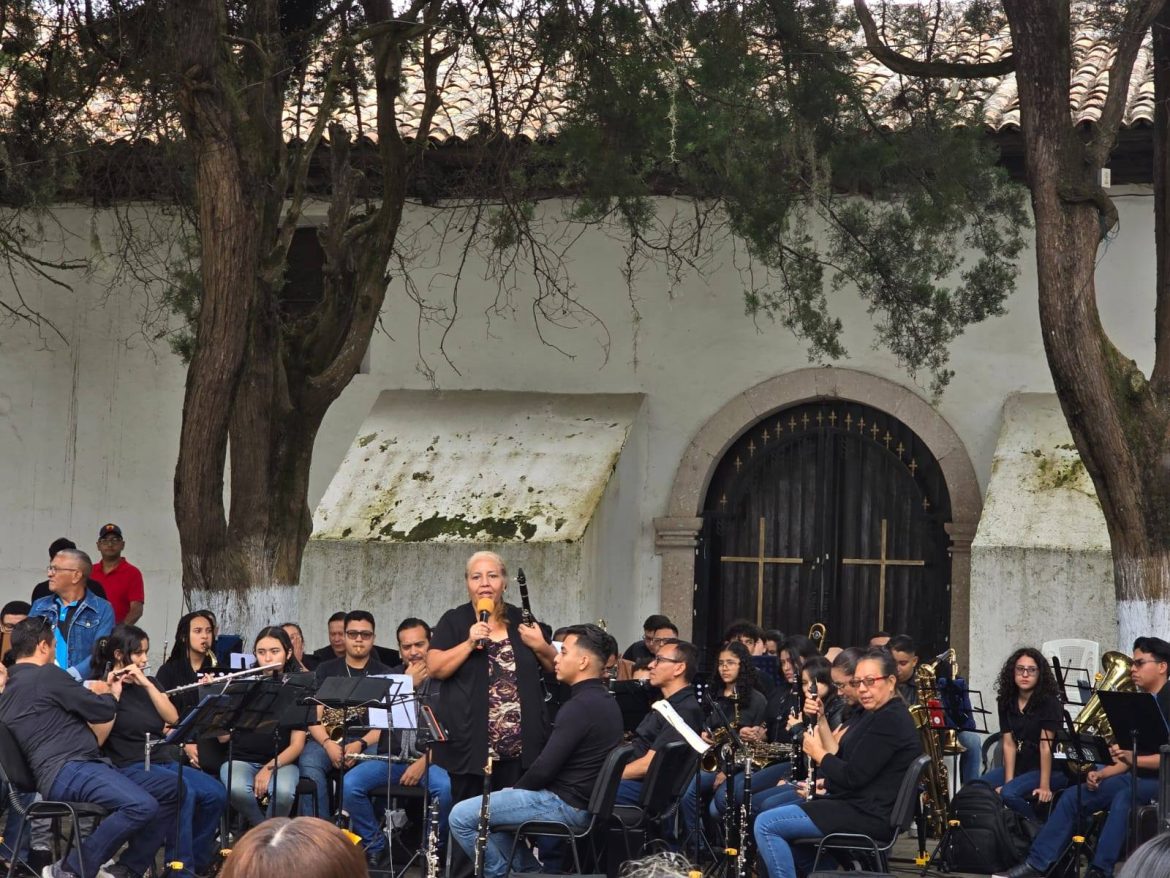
(753, 105)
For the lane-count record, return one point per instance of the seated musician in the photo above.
(905, 654)
(558, 784)
(1029, 717)
(322, 754)
(145, 710)
(408, 762)
(1106, 788)
(264, 764)
(192, 659)
(53, 718)
(781, 715)
(672, 670)
(862, 779)
(831, 726)
(740, 703)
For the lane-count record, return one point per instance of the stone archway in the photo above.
(676, 533)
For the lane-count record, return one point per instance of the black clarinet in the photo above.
(525, 604)
(526, 618)
(485, 814)
(812, 766)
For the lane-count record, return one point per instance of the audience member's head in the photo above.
(13, 612)
(1151, 860)
(307, 847)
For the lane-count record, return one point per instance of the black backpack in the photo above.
(989, 837)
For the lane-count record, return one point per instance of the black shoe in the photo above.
(1023, 870)
(38, 859)
(1094, 872)
(378, 859)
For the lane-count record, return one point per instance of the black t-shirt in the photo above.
(339, 667)
(1040, 714)
(178, 672)
(783, 701)
(654, 732)
(751, 710)
(637, 651)
(136, 716)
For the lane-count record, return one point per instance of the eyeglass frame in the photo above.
(667, 658)
(353, 634)
(860, 682)
(1027, 670)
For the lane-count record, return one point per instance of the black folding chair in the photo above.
(865, 846)
(16, 774)
(662, 786)
(601, 807)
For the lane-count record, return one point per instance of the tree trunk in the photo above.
(1117, 420)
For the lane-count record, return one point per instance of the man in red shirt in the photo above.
(121, 579)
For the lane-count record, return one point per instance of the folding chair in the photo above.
(601, 807)
(660, 792)
(866, 846)
(14, 772)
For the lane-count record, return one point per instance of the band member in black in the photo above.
(54, 718)
(491, 698)
(143, 710)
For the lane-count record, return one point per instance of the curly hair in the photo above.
(745, 681)
(1005, 685)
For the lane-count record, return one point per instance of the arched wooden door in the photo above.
(829, 511)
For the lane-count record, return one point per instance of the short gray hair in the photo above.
(81, 558)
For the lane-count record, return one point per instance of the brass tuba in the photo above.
(936, 797)
(1113, 677)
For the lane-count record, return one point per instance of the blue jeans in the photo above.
(359, 804)
(971, 759)
(510, 807)
(282, 785)
(776, 797)
(775, 830)
(136, 817)
(1112, 795)
(1017, 794)
(315, 765)
(204, 801)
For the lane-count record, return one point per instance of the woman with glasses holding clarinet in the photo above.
(1030, 715)
(862, 778)
(491, 700)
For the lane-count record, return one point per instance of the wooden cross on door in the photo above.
(760, 560)
(882, 562)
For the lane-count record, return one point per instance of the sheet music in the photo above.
(402, 709)
(665, 708)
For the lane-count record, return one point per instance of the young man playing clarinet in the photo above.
(1106, 788)
(557, 786)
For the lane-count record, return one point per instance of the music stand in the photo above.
(1138, 724)
(633, 699)
(344, 693)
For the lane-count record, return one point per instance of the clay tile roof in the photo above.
(530, 97)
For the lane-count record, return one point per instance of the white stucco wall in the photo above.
(89, 425)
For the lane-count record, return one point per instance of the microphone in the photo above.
(485, 607)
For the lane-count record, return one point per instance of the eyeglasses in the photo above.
(658, 641)
(52, 568)
(728, 663)
(845, 685)
(866, 682)
(1027, 670)
(1137, 663)
(666, 658)
(111, 540)
(359, 635)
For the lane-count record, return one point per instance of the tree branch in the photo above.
(899, 63)
(1137, 21)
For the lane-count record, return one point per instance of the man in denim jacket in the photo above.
(79, 617)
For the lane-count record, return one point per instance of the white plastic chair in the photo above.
(1074, 653)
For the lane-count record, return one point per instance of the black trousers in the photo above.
(505, 773)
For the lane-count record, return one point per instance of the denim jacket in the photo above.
(93, 618)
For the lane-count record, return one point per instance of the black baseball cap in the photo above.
(109, 530)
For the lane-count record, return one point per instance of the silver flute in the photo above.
(251, 672)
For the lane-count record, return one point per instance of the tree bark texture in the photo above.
(262, 378)
(1118, 419)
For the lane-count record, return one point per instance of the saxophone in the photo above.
(937, 794)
